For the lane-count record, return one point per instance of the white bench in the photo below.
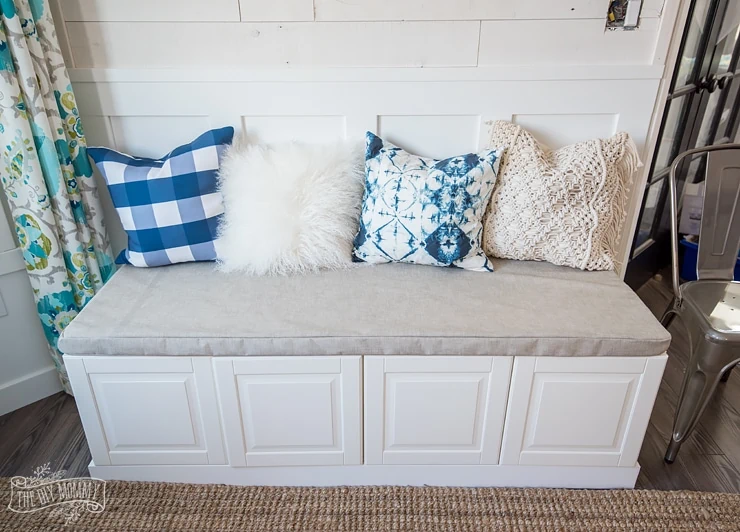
(534, 375)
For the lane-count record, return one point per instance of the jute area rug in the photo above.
(139, 506)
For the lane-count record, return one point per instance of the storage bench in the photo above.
(534, 375)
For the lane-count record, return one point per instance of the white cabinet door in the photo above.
(284, 411)
(579, 411)
(434, 410)
(148, 410)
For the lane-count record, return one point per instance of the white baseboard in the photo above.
(380, 475)
(28, 389)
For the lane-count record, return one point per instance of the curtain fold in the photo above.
(46, 176)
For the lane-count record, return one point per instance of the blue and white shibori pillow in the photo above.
(169, 207)
(424, 211)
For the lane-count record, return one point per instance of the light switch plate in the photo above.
(632, 17)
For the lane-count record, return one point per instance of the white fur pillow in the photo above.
(289, 208)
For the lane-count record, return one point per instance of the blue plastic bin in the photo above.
(688, 261)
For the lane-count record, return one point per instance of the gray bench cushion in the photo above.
(524, 308)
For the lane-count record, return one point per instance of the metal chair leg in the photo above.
(726, 375)
(707, 363)
(669, 315)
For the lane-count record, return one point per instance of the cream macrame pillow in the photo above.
(565, 206)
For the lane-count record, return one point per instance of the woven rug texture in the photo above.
(140, 506)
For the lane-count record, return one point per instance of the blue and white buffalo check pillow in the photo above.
(169, 207)
(424, 211)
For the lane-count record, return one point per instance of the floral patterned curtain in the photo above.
(46, 175)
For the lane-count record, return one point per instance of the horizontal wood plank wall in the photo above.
(219, 44)
(339, 10)
(398, 33)
(150, 75)
(467, 10)
(565, 42)
(150, 10)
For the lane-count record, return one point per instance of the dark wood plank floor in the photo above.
(50, 430)
(45, 431)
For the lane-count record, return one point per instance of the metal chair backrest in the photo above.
(719, 234)
(719, 239)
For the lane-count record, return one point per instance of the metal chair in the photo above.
(710, 306)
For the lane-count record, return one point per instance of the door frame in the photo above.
(644, 256)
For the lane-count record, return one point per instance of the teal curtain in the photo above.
(46, 176)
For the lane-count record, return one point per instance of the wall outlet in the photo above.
(623, 14)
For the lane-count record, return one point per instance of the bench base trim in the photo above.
(376, 475)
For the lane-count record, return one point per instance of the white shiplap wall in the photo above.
(428, 74)
(401, 33)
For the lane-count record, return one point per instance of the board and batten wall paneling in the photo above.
(148, 118)
(287, 128)
(432, 136)
(240, 44)
(140, 135)
(558, 130)
(561, 104)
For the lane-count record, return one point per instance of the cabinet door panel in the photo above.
(278, 413)
(587, 411)
(434, 410)
(165, 415)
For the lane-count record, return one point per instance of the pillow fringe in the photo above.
(630, 164)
